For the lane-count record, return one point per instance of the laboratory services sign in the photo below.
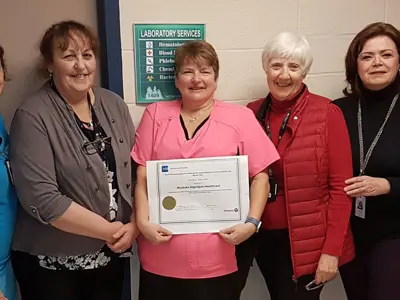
(154, 50)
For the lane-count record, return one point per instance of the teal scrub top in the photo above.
(8, 208)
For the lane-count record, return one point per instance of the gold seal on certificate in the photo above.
(169, 203)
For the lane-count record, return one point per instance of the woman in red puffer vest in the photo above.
(305, 234)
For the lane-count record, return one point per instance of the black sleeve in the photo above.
(394, 186)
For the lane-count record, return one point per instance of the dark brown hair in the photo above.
(197, 52)
(355, 48)
(60, 35)
(3, 63)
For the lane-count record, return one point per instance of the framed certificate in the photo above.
(198, 195)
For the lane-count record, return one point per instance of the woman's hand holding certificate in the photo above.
(237, 234)
(154, 233)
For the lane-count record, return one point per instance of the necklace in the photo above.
(89, 124)
(193, 118)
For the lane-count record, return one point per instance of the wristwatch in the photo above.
(254, 221)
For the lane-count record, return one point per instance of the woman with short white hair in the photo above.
(305, 231)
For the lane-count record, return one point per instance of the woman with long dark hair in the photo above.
(372, 115)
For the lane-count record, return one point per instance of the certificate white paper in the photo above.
(198, 195)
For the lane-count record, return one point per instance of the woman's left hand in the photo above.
(327, 268)
(367, 186)
(237, 234)
(125, 237)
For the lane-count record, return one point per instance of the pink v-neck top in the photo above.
(230, 129)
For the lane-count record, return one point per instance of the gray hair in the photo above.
(288, 45)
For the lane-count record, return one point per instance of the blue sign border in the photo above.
(108, 22)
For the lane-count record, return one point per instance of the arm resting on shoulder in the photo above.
(340, 169)
(33, 167)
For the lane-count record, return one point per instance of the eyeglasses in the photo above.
(97, 146)
(313, 286)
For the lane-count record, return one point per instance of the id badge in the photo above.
(360, 207)
(10, 175)
(273, 190)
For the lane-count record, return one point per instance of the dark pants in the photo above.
(245, 254)
(156, 287)
(228, 287)
(37, 283)
(275, 263)
(374, 274)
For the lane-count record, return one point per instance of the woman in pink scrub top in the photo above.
(197, 266)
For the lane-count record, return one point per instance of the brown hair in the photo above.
(3, 63)
(196, 51)
(60, 35)
(355, 48)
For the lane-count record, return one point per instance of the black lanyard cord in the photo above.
(93, 118)
(281, 129)
(267, 127)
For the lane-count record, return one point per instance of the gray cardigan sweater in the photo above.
(51, 170)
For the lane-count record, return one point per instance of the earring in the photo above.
(50, 74)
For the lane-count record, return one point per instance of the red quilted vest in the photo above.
(306, 184)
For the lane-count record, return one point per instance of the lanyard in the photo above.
(364, 161)
(281, 129)
(93, 118)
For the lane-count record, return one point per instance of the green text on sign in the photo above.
(154, 47)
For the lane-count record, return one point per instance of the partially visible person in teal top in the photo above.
(8, 206)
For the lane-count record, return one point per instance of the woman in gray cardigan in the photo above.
(70, 146)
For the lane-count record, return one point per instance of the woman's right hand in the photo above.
(367, 186)
(154, 233)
